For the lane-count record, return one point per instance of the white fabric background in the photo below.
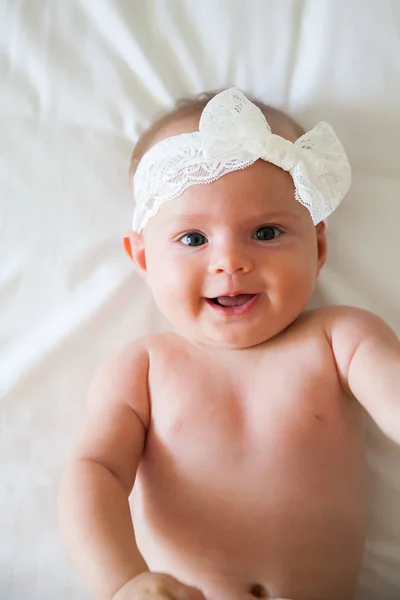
(80, 79)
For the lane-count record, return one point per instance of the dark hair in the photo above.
(192, 106)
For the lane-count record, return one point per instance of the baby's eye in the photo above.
(267, 233)
(193, 239)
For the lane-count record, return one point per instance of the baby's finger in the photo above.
(180, 591)
(195, 593)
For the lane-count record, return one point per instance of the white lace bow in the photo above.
(233, 134)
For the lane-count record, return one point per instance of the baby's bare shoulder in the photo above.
(168, 347)
(347, 323)
(346, 327)
(132, 361)
(336, 318)
(343, 327)
(121, 378)
(136, 354)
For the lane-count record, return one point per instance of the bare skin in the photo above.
(253, 475)
(240, 434)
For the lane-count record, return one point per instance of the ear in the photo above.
(134, 247)
(322, 245)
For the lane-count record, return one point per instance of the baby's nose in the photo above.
(230, 261)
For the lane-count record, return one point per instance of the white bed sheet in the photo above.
(80, 80)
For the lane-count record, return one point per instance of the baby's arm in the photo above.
(367, 354)
(93, 505)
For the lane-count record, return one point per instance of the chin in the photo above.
(237, 341)
(244, 336)
(236, 336)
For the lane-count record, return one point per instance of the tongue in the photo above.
(234, 300)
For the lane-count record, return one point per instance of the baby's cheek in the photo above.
(302, 280)
(297, 275)
(170, 287)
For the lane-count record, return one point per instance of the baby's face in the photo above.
(242, 234)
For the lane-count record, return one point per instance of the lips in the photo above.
(237, 300)
(234, 304)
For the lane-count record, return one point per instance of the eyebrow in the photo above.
(282, 214)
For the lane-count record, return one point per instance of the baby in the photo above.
(241, 431)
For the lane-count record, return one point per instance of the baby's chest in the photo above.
(273, 405)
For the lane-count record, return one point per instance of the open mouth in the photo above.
(238, 300)
(233, 305)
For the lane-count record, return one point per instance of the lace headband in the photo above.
(233, 134)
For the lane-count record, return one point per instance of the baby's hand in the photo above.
(157, 586)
